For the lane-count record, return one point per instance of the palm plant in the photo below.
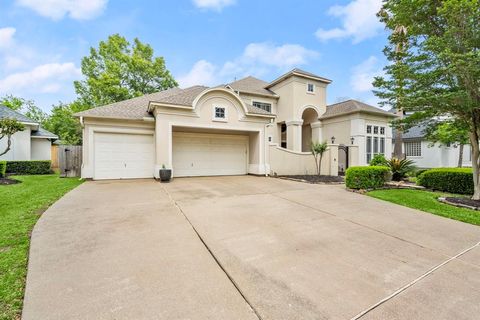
(318, 149)
(400, 168)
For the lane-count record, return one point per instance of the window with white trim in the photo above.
(310, 87)
(375, 141)
(220, 113)
(413, 149)
(262, 105)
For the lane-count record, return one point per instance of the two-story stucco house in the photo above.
(245, 127)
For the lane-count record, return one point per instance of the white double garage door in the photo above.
(128, 156)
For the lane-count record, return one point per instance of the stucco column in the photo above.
(163, 142)
(294, 135)
(317, 135)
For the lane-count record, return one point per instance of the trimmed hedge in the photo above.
(453, 180)
(29, 167)
(3, 168)
(370, 177)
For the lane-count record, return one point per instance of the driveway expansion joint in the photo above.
(217, 261)
(412, 283)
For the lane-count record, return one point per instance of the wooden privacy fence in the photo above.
(70, 160)
(54, 153)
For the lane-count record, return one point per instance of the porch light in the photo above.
(333, 139)
(352, 140)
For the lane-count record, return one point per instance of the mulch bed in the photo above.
(314, 179)
(462, 202)
(7, 181)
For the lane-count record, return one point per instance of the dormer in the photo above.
(296, 90)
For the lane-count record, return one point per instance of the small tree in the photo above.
(318, 149)
(8, 127)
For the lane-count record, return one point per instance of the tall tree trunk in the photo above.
(398, 146)
(460, 155)
(475, 164)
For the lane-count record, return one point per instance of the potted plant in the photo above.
(165, 174)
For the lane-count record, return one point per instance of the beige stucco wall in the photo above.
(202, 118)
(287, 162)
(41, 149)
(20, 147)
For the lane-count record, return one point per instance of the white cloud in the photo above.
(358, 19)
(363, 74)
(57, 9)
(257, 60)
(6, 37)
(202, 73)
(46, 78)
(217, 5)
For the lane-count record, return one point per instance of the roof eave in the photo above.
(153, 104)
(358, 111)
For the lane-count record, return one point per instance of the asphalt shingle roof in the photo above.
(43, 134)
(6, 112)
(136, 108)
(416, 132)
(252, 85)
(351, 106)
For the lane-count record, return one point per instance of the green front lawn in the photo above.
(427, 201)
(20, 207)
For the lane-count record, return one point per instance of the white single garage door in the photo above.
(199, 154)
(123, 156)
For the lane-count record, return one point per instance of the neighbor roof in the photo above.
(416, 132)
(252, 85)
(300, 73)
(6, 112)
(42, 133)
(352, 106)
(136, 108)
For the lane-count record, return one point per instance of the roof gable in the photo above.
(252, 85)
(299, 73)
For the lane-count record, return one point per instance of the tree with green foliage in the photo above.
(8, 127)
(118, 70)
(449, 133)
(318, 149)
(62, 122)
(437, 75)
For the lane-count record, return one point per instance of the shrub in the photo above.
(3, 168)
(453, 180)
(418, 172)
(378, 160)
(29, 167)
(400, 168)
(370, 177)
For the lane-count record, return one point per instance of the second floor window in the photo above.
(263, 105)
(310, 87)
(220, 113)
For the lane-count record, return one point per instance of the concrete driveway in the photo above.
(246, 248)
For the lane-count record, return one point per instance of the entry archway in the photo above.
(309, 116)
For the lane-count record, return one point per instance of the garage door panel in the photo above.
(209, 154)
(123, 156)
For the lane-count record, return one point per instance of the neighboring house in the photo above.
(33, 143)
(245, 127)
(426, 154)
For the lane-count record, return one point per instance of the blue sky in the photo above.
(203, 41)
